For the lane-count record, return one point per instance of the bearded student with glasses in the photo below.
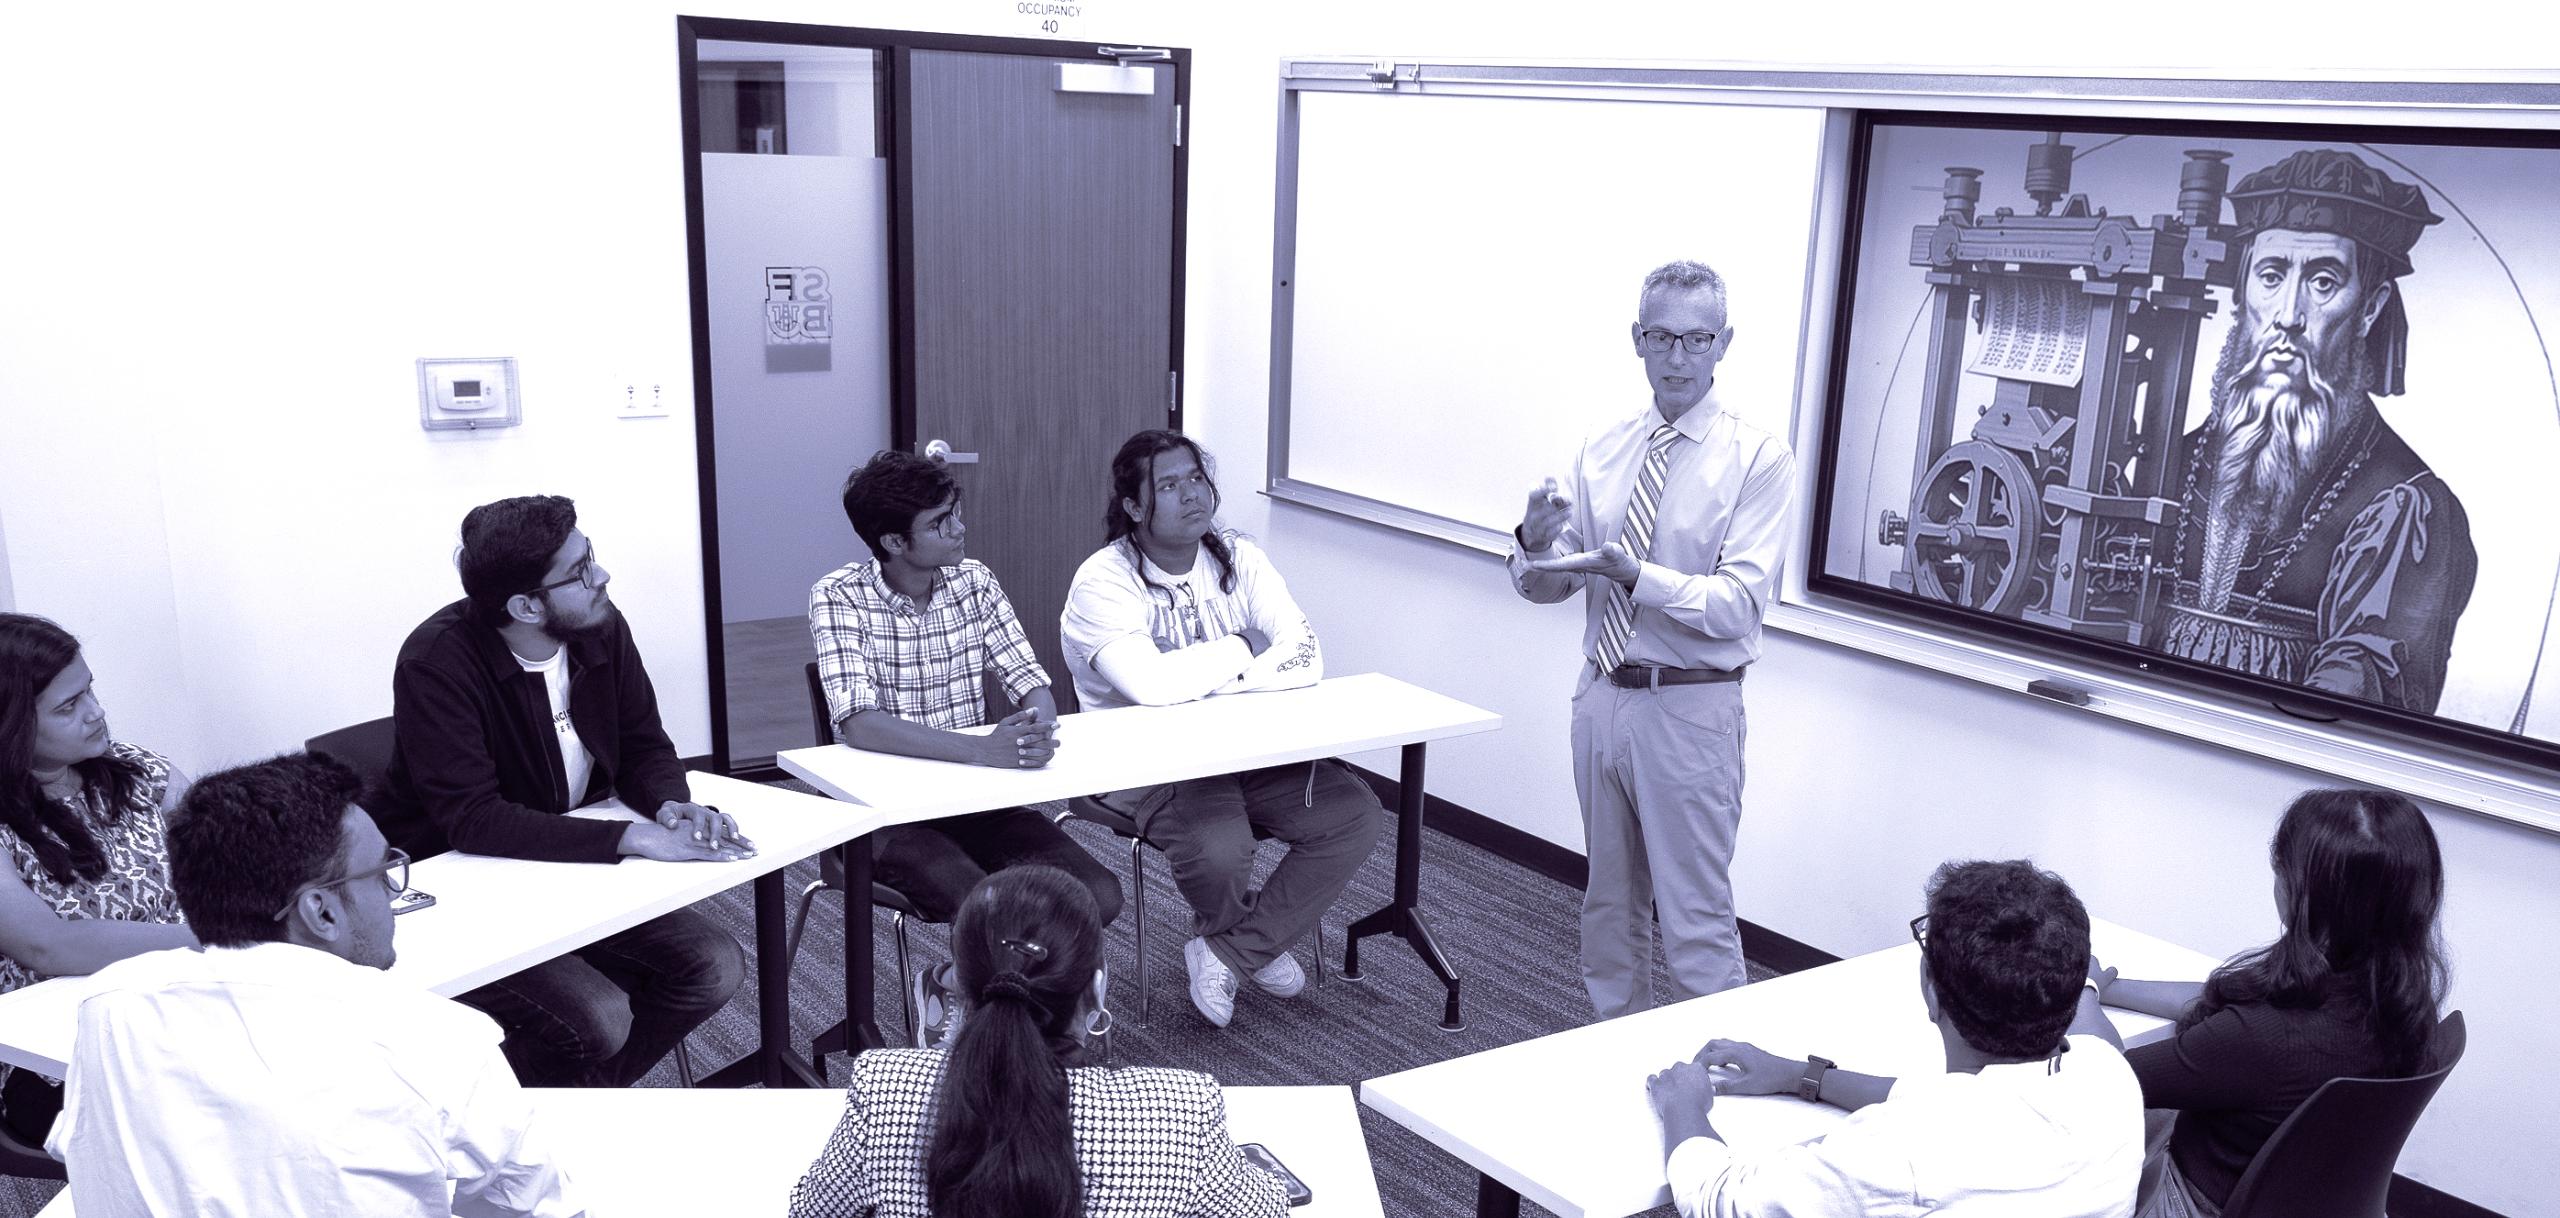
(513, 706)
(1672, 528)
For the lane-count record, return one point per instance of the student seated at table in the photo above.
(905, 641)
(277, 1070)
(513, 705)
(2350, 990)
(2037, 1113)
(1007, 1121)
(82, 815)
(1171, 609)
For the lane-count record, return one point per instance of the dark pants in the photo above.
(28, 1104)
(604, 1014)
(1206, 829)
(937, 863)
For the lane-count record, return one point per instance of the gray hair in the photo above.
(1683, 275)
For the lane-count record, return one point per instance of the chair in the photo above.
(831, 879)
(366, 748)
(27, 1162)
(2333, 1157)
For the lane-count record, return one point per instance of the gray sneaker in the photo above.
(937, 1008)
(1213, 984)
(1282, 978)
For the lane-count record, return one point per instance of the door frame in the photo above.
(895, 137)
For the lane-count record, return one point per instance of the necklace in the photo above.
(2354, 456)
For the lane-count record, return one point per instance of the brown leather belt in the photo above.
(1639, 676)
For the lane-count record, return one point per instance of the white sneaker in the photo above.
(937, 1008)
(1213, 984)
(1282, 978)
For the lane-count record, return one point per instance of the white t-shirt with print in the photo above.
(575, 760)
(1118, 594)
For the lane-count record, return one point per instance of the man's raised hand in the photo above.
(1549, 508)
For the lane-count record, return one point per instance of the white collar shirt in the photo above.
(2029, 1140)
(280, 1081)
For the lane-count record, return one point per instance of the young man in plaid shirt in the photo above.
(905, 640)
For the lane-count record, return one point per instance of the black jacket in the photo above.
(476, 765)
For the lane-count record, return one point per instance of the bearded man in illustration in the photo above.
(2314, 546)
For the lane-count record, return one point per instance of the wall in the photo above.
(214, 472)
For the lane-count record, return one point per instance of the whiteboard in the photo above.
(1465, 276)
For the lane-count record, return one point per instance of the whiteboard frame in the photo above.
(2446, 774)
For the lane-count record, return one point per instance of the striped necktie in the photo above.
(1619, 624)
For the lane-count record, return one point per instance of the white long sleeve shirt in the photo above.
(279, 1081)
(1135, 633)
(2012, 1141)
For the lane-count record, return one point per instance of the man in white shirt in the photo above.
(278, 1071)
(1175, 609)
(2037, 1116)
(1674, 530)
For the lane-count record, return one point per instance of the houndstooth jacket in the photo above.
(1152, 1143)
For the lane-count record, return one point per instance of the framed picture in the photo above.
(2266, 408)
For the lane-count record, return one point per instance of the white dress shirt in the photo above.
(1719, 536)
(2029, 1140)
(280, 1081)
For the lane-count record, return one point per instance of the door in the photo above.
(1040, 273)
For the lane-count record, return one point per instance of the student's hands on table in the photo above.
(683, 839)
(1739, 1067)
(1023, 740)
(1682, 1097)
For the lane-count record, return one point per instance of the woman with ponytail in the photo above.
(2350, 990)
(80, 813)
(1006, 1120)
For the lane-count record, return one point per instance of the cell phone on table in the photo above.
(1260, 1156)
(411, 900)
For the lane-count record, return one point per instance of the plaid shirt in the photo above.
(878, 651)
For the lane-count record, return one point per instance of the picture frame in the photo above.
(2034, 384)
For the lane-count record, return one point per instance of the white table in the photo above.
(497, 916)
(1108, 750)
(742, 1151)
(1563, 1119)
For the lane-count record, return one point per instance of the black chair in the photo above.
(366, 748)
(831, 879)
(2334, 1156)
(27, 1162)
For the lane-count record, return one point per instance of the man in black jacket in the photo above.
(510, 707)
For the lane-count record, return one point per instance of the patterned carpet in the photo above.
(1482, 908)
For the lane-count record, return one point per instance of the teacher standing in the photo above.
(1674, 527)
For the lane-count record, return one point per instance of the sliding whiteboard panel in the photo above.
(1465, 276)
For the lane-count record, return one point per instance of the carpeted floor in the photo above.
(1488, 914)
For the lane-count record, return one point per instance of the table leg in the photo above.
(1403, 915)
(770, 1062)
(858, 1031)
(1495, 1199)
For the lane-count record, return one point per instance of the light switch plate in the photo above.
(468, 394)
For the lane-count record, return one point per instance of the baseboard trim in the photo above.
(2409, 1198)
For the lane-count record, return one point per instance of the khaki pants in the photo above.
(1659, 773)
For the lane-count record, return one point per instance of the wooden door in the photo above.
(1041, 280)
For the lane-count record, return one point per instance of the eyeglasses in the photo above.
(1920, 930)
(394, 872)
(1696, 342)
(947, 525)
(584, 571)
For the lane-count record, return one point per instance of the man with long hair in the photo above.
(2313, 545)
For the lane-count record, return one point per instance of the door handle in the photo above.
(940, 450)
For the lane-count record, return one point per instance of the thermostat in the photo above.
(467, 394)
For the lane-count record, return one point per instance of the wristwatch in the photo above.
(1809, 1088)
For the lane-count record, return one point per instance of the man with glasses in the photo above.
(514, 705)
(278, 1071)
(1674, 528)
(905, 641)
(2037, 1112)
